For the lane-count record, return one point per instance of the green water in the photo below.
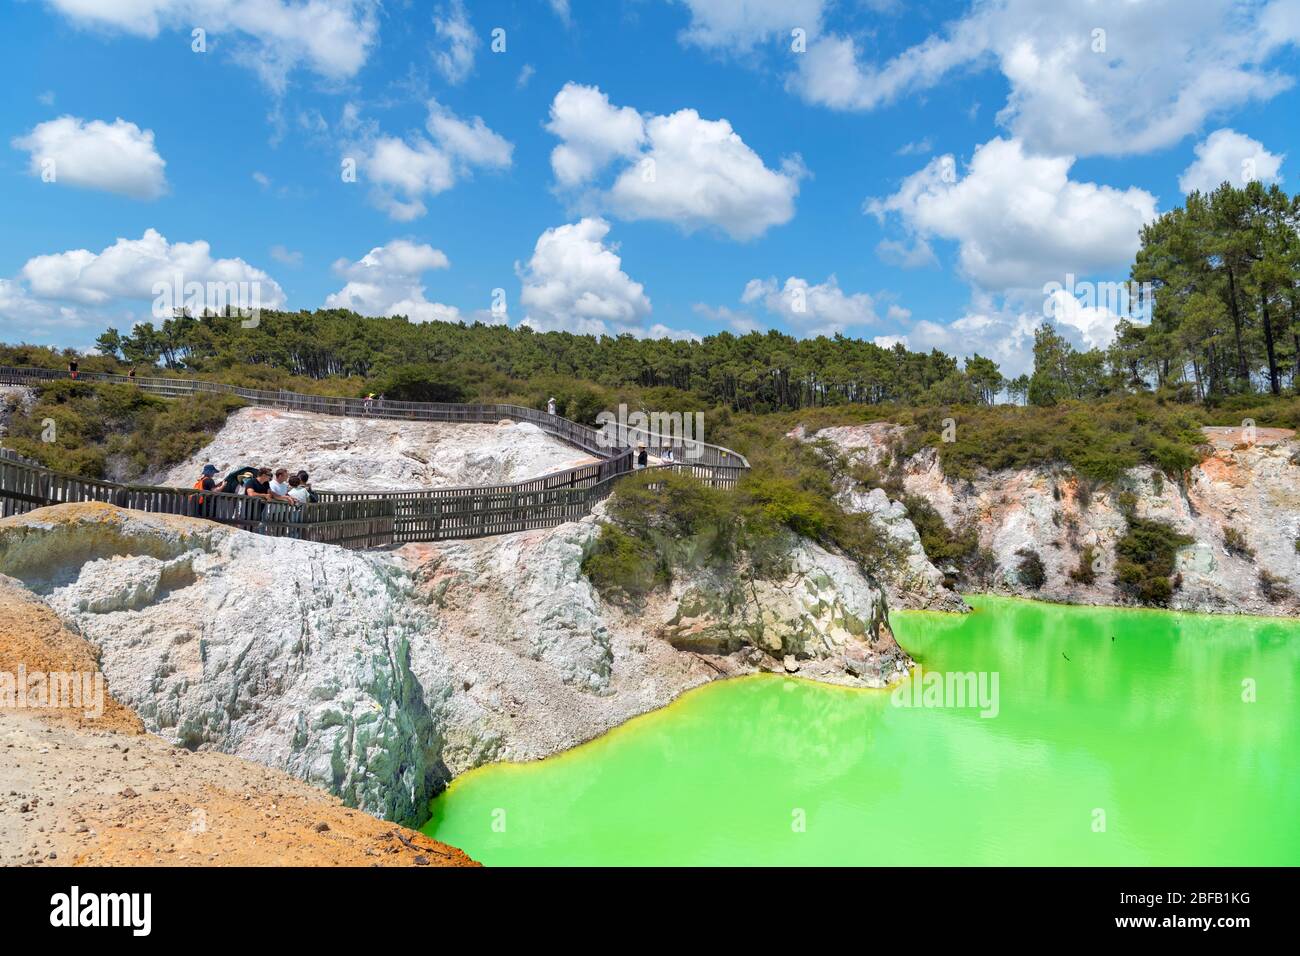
(1144, 723)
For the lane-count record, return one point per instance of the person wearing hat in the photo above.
(208, 480)
(642, 457)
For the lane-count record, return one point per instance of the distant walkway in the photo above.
(374, 519)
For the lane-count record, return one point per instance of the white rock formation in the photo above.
(380, 675)
(1253, 487)
(374, 454)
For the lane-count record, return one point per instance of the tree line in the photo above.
(1224, 267)
(757, 372)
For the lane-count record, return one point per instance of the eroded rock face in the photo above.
(293, 654)
(381, 675)
(374, 454)
(1253, 487)
(821, 607)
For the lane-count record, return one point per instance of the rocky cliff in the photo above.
(379, 676)
(1240, 505)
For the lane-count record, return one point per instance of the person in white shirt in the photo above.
(298, 491)
(550, 406)
(280, 483)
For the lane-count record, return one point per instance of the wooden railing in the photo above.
(375, 519)
(351, 524)
(603, 442)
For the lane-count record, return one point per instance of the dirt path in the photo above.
(70, 796)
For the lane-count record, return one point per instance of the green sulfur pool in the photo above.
(1125, 737)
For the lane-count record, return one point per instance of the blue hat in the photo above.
(209, 469)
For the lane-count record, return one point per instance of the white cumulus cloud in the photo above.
(1231, 157)
(738, 25)
(332, 38)
(1018, 219)
(456, 58)
(812, 309)
(404, 171)
(575, 282)
(388, 280)
(1082, 81)
(117, 157)
(130, 269)
(680, 168)
(593, 133)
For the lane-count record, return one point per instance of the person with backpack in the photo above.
(72, 369)
(303, 477)
(299, 491)
(205, 482)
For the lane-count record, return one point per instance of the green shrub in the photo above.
(1030, 570)
(942, 545)
(114, 431)
(420, 383)
(1144, 560)
(1274, 587)
(1085, 573)
(622, 568)
(1235, 543)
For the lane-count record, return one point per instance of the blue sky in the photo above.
(916, 172)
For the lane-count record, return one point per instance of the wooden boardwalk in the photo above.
(373, 519)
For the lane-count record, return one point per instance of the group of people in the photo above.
(260, 482)
(666, 455)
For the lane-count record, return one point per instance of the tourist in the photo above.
(367, 402)
(642, 458)
(550, 405)
(298, 491)
(306, 483)
(233, 483)
(130, 376)
(259, 485)
(207, 481)
(72, 369)
(668, 454)
(280, 483)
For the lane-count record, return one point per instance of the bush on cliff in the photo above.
(662, 520)
(1144, 560)
(1086, 573)
(1030, 570)
(624, 569)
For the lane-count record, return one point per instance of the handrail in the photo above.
(604, 442)
(356, 524)
(368, 519)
